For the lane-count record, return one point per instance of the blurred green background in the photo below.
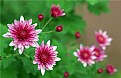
(76, 19)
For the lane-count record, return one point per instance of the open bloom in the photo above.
(99, 53)
(56, 11)
(46, 57)
(85, 55)
(23, 33)
(102, 38)
(110, 69)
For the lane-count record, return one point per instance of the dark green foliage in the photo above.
(99, 7)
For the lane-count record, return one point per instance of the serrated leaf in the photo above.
(3, 44)
(60, 47)
(29, 66)
(8, 73)
(22, 73)
(6, 62)
(92, 2)
(30, 52)
(73, 24)
(98, 8)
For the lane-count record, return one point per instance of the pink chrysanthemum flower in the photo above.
(102, 38)
(110, 69)
(99, 53)
(56, 11)
(46, 57)
(23, 33)
(85, 55)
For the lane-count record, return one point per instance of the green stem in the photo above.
(10, 55)
(39, 23)
(47, 32)
(27, 55)
(46, 23)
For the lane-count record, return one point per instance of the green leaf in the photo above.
(6, 62)
(22, 72)
(60, 47)
(30, 52)
(98, 8)
(73, 24)
(3, 41)
(8, 73)
(29, 66)
(92, 2)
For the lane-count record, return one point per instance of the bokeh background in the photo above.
(111, 23)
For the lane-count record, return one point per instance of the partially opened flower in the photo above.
(102, 38)
(110, 69)
(85, 55)
(56, 11)
(45, 57)
(23, 34)
(99, 53)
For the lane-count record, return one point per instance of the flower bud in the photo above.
(66, 74)
(59, 28)
(100, 70)
(40, 17)
(77, 35)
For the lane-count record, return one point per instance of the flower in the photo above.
(40, 17)
(56, 11)
(85, 55)
(99, 53)
(23, 33)
(66, 74)
(59, 28)
(46, 57)
(100, 70)
(77, 35)
(110, 69)
(102, 38)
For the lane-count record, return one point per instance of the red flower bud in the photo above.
(40, 17)
(66, 74)
(110, 69)
(100, 70)
(77, 35)
(59, 28)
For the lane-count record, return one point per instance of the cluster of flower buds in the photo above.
(24, 35)
(110, 69)
(55, 13)
(89, 55)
